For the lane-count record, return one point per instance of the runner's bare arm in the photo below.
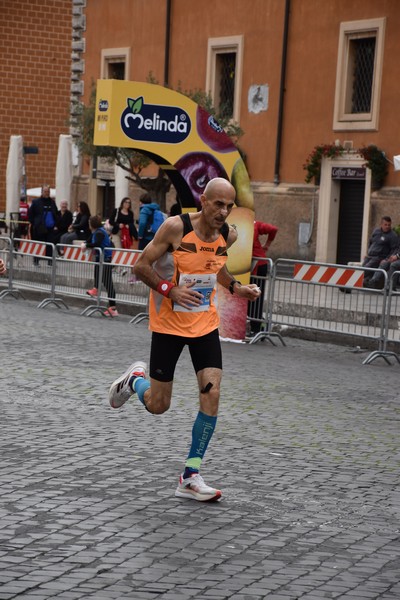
(169, 234)
(250, 292)
(232, 236)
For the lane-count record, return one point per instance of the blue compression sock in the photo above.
(202, 431)
(140, 385)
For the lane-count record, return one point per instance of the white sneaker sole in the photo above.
(118, 398)
(192, 495)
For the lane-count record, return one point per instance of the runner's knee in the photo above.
(209, 401)
(159, 401)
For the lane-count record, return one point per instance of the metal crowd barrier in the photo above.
(391, 322)
(70, 270)
(74, 273)
(32, 267)
(298, 294)
(6, 255)
(328, 297)
(129, 289)
(258, 310)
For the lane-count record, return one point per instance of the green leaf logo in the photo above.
(135, 105)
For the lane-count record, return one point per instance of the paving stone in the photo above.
(306, 452)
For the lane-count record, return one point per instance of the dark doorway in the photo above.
(108, 203)
(351, 212)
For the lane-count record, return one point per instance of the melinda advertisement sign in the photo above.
(187, 142)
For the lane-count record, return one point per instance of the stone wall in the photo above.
(385, 201)
(287, 207)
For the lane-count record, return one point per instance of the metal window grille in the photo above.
(364, 59)
(226, 68)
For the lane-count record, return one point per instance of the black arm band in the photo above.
(232, 283)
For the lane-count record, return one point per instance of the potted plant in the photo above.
(314, 159)
(376, 161)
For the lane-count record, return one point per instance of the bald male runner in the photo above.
(182, 266)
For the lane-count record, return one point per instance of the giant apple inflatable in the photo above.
(211, 132)
(197, 168)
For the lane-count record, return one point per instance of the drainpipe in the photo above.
(281, 95)
(167, 42)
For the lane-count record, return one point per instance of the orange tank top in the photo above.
(193, 261)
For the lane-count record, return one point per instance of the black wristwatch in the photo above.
(232, 283)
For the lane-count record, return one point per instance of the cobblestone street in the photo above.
(306, 452)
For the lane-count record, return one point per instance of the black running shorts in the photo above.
(205, 352)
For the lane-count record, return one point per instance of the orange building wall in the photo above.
(35, 71)
(141, 26)
(311, 80)
(35, 67)
(121, 24)
(311, 66)
(261, 23)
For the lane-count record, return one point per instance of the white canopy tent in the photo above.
(64, 168)
(14, 174)
(37, 192)
(121, 185)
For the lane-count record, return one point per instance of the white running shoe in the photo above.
(194, 487)
(120, 390)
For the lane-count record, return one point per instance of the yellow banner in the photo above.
(186, 142)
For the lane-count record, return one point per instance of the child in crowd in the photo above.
(100, 239)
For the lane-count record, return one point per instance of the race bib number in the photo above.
(204, 284)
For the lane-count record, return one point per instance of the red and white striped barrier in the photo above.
(33, 248)
(76, 253)
(123, 258)
(340, 276)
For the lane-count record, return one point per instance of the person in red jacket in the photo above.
(259, 271)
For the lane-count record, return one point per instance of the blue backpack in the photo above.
(49, 220)
(157, 220)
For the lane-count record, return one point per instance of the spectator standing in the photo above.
(146, 213)
(23, 225)
(42, 215)
(122, 222)
(22, 228)
(100, 239)
(79, 229)
(260, 270)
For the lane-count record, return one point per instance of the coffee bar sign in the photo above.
(348, 173)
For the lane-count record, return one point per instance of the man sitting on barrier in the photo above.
(182, 265)
(391, 265)
(382, 244)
